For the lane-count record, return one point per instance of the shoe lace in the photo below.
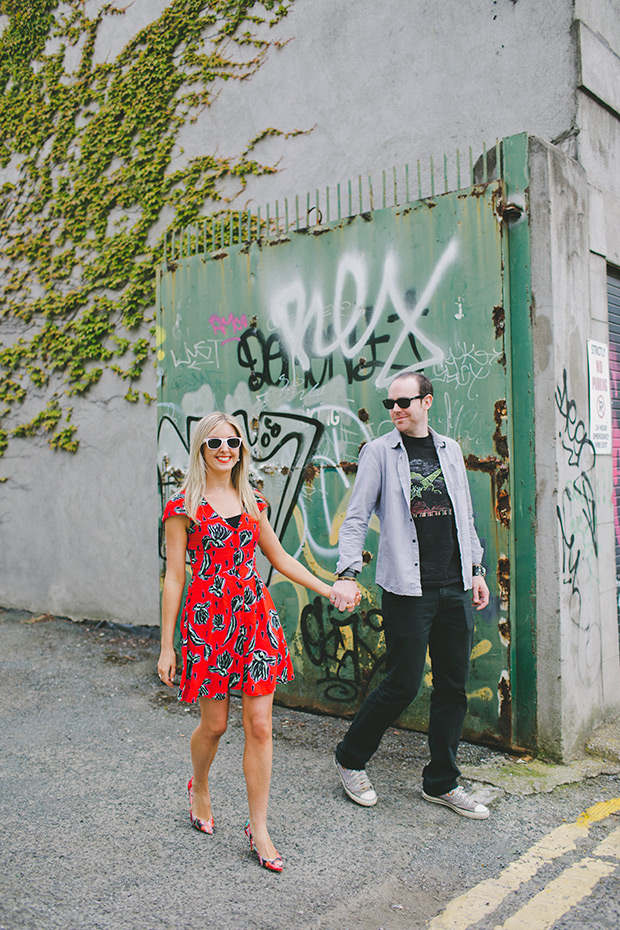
(359, 780)
(460, 795)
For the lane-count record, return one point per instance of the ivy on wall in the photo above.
(88, 150)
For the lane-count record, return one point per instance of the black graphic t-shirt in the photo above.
(431, 509)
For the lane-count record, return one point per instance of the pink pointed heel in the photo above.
(273, 865)
(205, 826)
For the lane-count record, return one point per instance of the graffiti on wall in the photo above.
(311, 335)
(576, 512)
(300, 339)
(338, 646)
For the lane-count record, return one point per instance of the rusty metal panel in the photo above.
(299, 335)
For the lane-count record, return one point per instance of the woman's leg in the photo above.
(203, 745)
(257, 767)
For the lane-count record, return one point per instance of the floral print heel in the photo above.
(205, 826)
(273, 865)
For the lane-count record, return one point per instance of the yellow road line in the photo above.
(564, 892)
(486, 897)
(610, 846)
(599, 811)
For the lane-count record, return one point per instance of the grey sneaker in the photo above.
(356, 784)
(460, 802)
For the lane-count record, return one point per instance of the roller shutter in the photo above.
(613, 303)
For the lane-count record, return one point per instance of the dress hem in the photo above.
(222, 694)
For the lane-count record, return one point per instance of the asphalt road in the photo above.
(95, 832)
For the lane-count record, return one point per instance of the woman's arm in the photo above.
(174, 582)
(286, 564)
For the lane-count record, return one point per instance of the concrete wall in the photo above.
(374, 85)
(575, 215)
(78, 533)
(578, 670)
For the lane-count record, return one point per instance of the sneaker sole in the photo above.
(350, 794)
(457, 810)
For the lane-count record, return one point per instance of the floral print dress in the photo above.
(231, 635)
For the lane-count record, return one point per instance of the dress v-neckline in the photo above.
(220, 517)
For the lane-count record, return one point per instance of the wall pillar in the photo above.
(578, 672)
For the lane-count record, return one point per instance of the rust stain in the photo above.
(311, 471)
(489, 464)
(500, 411)
(363, 413)
(498, 471)
(502, 507)
(349, 468)
(366, 557)
(503, 578)
(504, 630)
(505, 704)
(499, 321)
(499, 438)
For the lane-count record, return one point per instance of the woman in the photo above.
(232, 639)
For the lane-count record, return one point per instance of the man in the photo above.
(429, 568)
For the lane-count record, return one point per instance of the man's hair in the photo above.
(425, 386)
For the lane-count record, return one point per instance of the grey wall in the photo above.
(577, 632)
(79, 532)
(575, 214)
(375, 85)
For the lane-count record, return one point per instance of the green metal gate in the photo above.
(298, 331)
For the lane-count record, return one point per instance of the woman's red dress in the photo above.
(231, 635)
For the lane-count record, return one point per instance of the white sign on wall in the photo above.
(600, 396)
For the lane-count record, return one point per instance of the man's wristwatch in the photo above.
(347, 573)
(478, 570)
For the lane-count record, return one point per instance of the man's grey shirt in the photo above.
(383, 486)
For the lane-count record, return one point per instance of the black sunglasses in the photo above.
(215, 442)
(403, 402)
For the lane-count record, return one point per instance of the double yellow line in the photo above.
(543, 910)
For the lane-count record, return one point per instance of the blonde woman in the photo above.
(232, 639)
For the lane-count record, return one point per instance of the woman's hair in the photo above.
(195, 484)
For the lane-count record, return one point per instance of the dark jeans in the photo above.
(442, 620)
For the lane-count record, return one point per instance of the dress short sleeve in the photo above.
(260, 500)
(175, 507)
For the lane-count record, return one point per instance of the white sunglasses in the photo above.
(233, 442)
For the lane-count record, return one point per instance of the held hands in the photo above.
(167, 666)
(479, 592)
(345, 594)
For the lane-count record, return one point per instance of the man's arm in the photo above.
(364, 497)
